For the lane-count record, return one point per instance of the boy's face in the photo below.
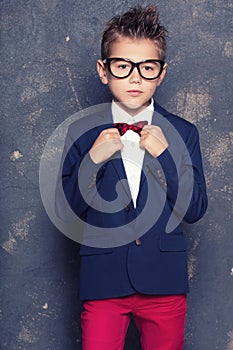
(134, 92)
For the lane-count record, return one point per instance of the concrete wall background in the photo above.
(48, 53)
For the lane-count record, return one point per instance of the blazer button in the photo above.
(127, 208)
(93, 181)
(138, 242)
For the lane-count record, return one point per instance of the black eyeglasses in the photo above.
(122, 67)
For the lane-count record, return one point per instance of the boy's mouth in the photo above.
(134, 92)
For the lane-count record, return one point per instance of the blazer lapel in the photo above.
(118, 167)
(160, 121)
(105, 121)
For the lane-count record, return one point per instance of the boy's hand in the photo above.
(107, 143)
(153, 140)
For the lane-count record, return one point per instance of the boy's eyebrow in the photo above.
(131, 59)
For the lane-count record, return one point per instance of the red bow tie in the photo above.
(136, 127)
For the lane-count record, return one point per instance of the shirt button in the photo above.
(138, 242)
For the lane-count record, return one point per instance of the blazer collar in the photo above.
(104, 120)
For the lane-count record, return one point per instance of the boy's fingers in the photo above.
(143, 133)
(112, 131)
(153, 129)
(143, 137)
(156, 132)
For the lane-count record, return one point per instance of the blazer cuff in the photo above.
(89, 172)
(167, 163)
(164, 169)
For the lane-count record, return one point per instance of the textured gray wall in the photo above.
(48, 54)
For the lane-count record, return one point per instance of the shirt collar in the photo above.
(121, 116)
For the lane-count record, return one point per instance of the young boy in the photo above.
(159, 155)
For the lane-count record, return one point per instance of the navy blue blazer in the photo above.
(154, 259)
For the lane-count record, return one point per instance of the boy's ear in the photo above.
(162, 75)
(102, 72)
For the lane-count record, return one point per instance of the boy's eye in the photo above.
(148, 67)
(121, 65)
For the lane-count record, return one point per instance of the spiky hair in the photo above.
(139, 23)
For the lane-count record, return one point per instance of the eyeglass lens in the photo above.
(148, 69)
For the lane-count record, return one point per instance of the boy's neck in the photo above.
(134, 110)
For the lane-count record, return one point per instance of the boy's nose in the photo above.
(135, 76)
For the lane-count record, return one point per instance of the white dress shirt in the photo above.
(132, 155)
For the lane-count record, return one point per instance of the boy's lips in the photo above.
(134, 92)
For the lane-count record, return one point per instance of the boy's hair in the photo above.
(138, 23)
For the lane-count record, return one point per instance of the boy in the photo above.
(136, 141)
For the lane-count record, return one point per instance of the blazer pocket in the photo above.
(85, 250)
(172, 243)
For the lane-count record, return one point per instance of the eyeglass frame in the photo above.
(107, 61)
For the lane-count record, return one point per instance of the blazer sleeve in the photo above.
(78, 177)
(186, 187)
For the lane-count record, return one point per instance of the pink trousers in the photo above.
(159, 319)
